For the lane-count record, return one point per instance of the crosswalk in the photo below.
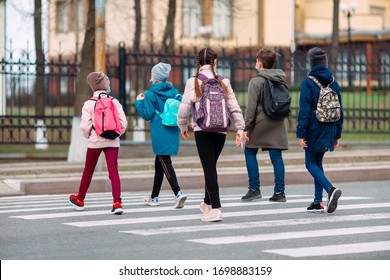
(360, 225)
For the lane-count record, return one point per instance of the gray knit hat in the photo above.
(160, 72)
(98, 81)
(317, 56)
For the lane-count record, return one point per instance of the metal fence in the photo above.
(362, 69)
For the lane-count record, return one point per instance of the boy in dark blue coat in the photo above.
(165, 139)
(318, 137)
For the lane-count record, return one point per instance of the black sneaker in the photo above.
(251, 195)
(333, 196)
(316, 208)
(278, 197)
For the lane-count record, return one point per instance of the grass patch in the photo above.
(30, 149)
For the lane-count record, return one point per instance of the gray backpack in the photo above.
(328, 104)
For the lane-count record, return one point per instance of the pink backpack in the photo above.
(106, 119)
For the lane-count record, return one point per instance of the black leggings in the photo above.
(210, 145)
(163, 165)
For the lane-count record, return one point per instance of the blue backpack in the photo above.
(171, 109)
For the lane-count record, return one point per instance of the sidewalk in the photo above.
(363, 162)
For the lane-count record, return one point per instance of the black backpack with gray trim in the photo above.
(276, 100)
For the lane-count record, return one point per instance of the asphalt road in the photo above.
(47, 228)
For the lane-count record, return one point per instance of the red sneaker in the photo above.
(77, 204)
(117, 208)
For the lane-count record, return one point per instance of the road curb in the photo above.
(193, 179)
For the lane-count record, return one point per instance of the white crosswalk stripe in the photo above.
(290, 235)
(197, 216)
(333, 249)
(256, 222)
(261, 224)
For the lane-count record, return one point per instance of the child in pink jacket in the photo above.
(99, 83)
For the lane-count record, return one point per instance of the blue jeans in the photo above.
(313, 163)
(252, 167)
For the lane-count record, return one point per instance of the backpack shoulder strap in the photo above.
(315, 81)
(96, 98)
(105, 93)
(204, 78)
(331, 82)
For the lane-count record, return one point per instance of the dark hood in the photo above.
(275, 75)
(322, 73)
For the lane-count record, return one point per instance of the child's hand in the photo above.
(336, 143)
(246, 137)
(239, 138)
(302, 142)
(140, 96)
(184, 134)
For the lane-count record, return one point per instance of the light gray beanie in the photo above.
(160, 72)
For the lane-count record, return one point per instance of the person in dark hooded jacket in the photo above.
(318, 137)
(261, 132)
(165, 139)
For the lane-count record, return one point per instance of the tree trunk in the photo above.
(335, 37)
(169, 33)
(138, 25)
(40, 127)
(78, 143)
(83, 90)
(139, 133)
(40, 78)
(137, 41)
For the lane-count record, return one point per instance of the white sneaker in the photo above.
(179, 200)
(214, 215)
(204, 208)
(151, 201)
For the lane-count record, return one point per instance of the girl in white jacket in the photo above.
(209, 143)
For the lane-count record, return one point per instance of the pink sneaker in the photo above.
(204, 208)
(214, 215)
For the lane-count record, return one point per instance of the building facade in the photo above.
(227, 23)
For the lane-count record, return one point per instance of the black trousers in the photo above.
(163, 165)
(210, 145)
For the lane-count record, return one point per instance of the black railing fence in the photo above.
(362, 69)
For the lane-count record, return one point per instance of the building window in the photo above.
(192, 17)
(80, 13)
(381, 12)
(64, 80)
(200, 16)
(222, 18)
(62, 17)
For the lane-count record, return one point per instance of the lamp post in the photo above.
(348, 10)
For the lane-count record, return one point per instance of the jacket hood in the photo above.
(322, 73)
(276, 75)
(164, 90)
